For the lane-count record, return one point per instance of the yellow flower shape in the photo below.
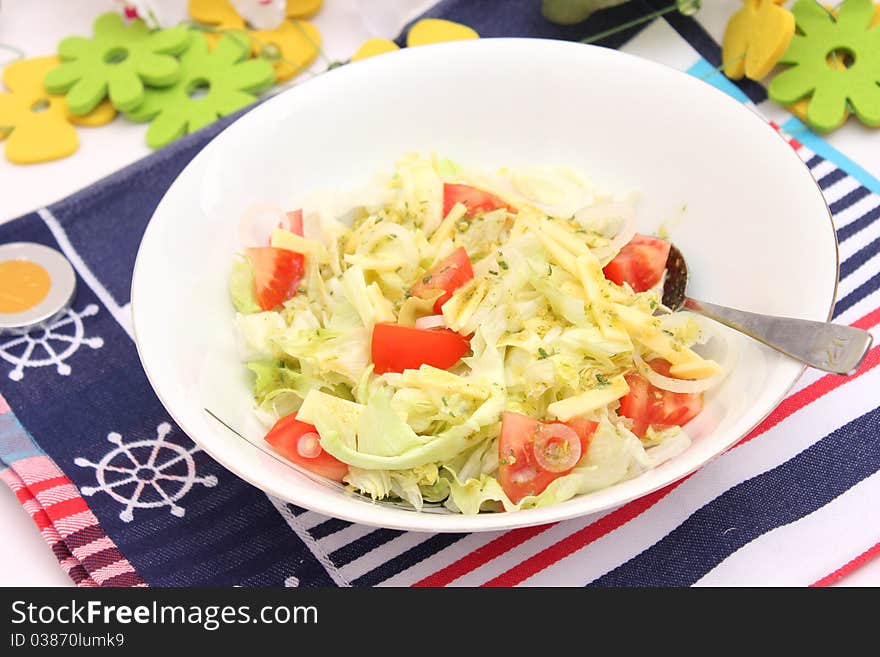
(756, 37)
(422, 33)
(290, 47)
(37, 124)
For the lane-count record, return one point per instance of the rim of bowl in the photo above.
(422, 521)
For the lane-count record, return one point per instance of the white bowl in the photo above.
(756, 231)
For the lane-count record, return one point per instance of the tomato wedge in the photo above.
(476, 200)
(446, 276)
(277, 273)
(647, 405)
(640, 263)
(293, 222)
(396, 348)
(533, 453)
(299, 443)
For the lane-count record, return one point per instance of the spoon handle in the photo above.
(823, 345)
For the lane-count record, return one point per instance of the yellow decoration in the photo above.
(23, 284)
(373, 47)
(756, 37)
(436, 30)
(294, 44)
(303, 8)
(40, 123)
(422, 33)
(219, 14)
(799, 109)
(297, 42)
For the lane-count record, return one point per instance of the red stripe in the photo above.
(23, 495)
(103, 558)
(811, 393)
(580, 538)
(46, 484)
(66, 508)
(482, 555)
(847, 568)
(868, 321)
(124, 579)
(78, 574)
(539, 561)
(795, 144)
(41, 520)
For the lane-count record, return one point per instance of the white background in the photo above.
(36, 26)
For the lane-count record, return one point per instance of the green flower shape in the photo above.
(117, 61)
(814, 54)
(211, 84)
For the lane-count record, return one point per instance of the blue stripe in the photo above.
(796, 488)
(329, 526)
(704, 71)
(861, 223)
(408, 559)
(15, 442)
(367, 543)
(829, 179)
(815, 143)
(849, 199)
(851, 299)
(859, 258)
(814, 161)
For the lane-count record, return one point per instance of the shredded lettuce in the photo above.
(241, 287)
(549, 335)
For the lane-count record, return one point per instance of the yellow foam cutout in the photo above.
(756, 37)
(298, 43)
(23, 284)
(40, 122)
(303, 8)
(373, 47)
(436, 30)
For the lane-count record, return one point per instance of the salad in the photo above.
(488, 342)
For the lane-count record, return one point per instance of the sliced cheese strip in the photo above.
(592, 280)
(589, 401)
(284, 239)
(444, 230)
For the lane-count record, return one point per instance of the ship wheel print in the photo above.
(48, 344)
(146, 474)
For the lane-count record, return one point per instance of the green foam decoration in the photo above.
(117, 61)
(227, 79)
(571, 12)
(831, 89)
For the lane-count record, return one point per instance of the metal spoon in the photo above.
(823, 345)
